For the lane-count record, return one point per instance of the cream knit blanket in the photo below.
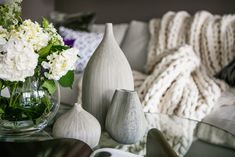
(184, 54)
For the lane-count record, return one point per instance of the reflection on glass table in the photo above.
(187, 138)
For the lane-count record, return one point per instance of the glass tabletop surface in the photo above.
(188, 138)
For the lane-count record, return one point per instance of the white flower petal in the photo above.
(19, 61)
(60, 64)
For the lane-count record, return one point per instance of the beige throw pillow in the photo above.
(135, 45)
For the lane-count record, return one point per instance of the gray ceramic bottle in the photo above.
(125, 121)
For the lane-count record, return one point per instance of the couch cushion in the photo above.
(135, 45)
(223, 115)
(119, 30)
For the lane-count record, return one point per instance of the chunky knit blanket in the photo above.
(185, 52)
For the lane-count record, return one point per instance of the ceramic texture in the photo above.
(79, 124)
(125, 120)
(106, 71)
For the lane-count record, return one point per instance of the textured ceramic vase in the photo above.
(79, 124)
(106, 71)
(125, 121)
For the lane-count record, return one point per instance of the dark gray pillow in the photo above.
(228, 73)
(76, 21)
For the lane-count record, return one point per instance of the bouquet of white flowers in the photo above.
(28, 49)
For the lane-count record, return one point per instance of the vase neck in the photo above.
(78, 107)
(108, 30)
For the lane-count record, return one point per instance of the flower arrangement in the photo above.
(30, 50)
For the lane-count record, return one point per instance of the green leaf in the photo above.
(50, 86)
(1, 84)
(37, 120)
(67, 80)
(43, 52)
(47, 103)
(1, 111)
(45, 23)
(59, 48)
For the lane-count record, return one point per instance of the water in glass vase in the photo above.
(27, 108)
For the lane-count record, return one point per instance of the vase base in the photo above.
(26, 136)
(20, 128)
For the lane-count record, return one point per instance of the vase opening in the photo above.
(108, 31)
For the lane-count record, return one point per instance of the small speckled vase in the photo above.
(125, 121)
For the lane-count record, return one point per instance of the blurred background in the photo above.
(124, 10)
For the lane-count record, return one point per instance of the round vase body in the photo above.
(33, 108)
(106, 71)
(78, 124)
(125, 121)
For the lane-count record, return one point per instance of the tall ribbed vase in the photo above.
(106, 71)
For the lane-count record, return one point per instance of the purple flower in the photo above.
(69, 42)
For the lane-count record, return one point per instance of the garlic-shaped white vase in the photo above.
(106, 71)
(125, 121)
(78, 124)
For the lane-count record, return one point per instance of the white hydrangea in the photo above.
(60, 63)
(3, 32)
(11, 13)
(14, 5)
(3, 38)
(54, 36)
(33, 34)
(18, 61)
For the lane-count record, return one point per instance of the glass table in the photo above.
(187, 138)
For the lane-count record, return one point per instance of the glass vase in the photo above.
(27, 108)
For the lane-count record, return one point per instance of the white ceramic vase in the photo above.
(106, 71)
(125, 121)
(79, 124)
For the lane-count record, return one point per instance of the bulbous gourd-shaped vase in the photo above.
(79, 124)
(125, 121)
(106, 71)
